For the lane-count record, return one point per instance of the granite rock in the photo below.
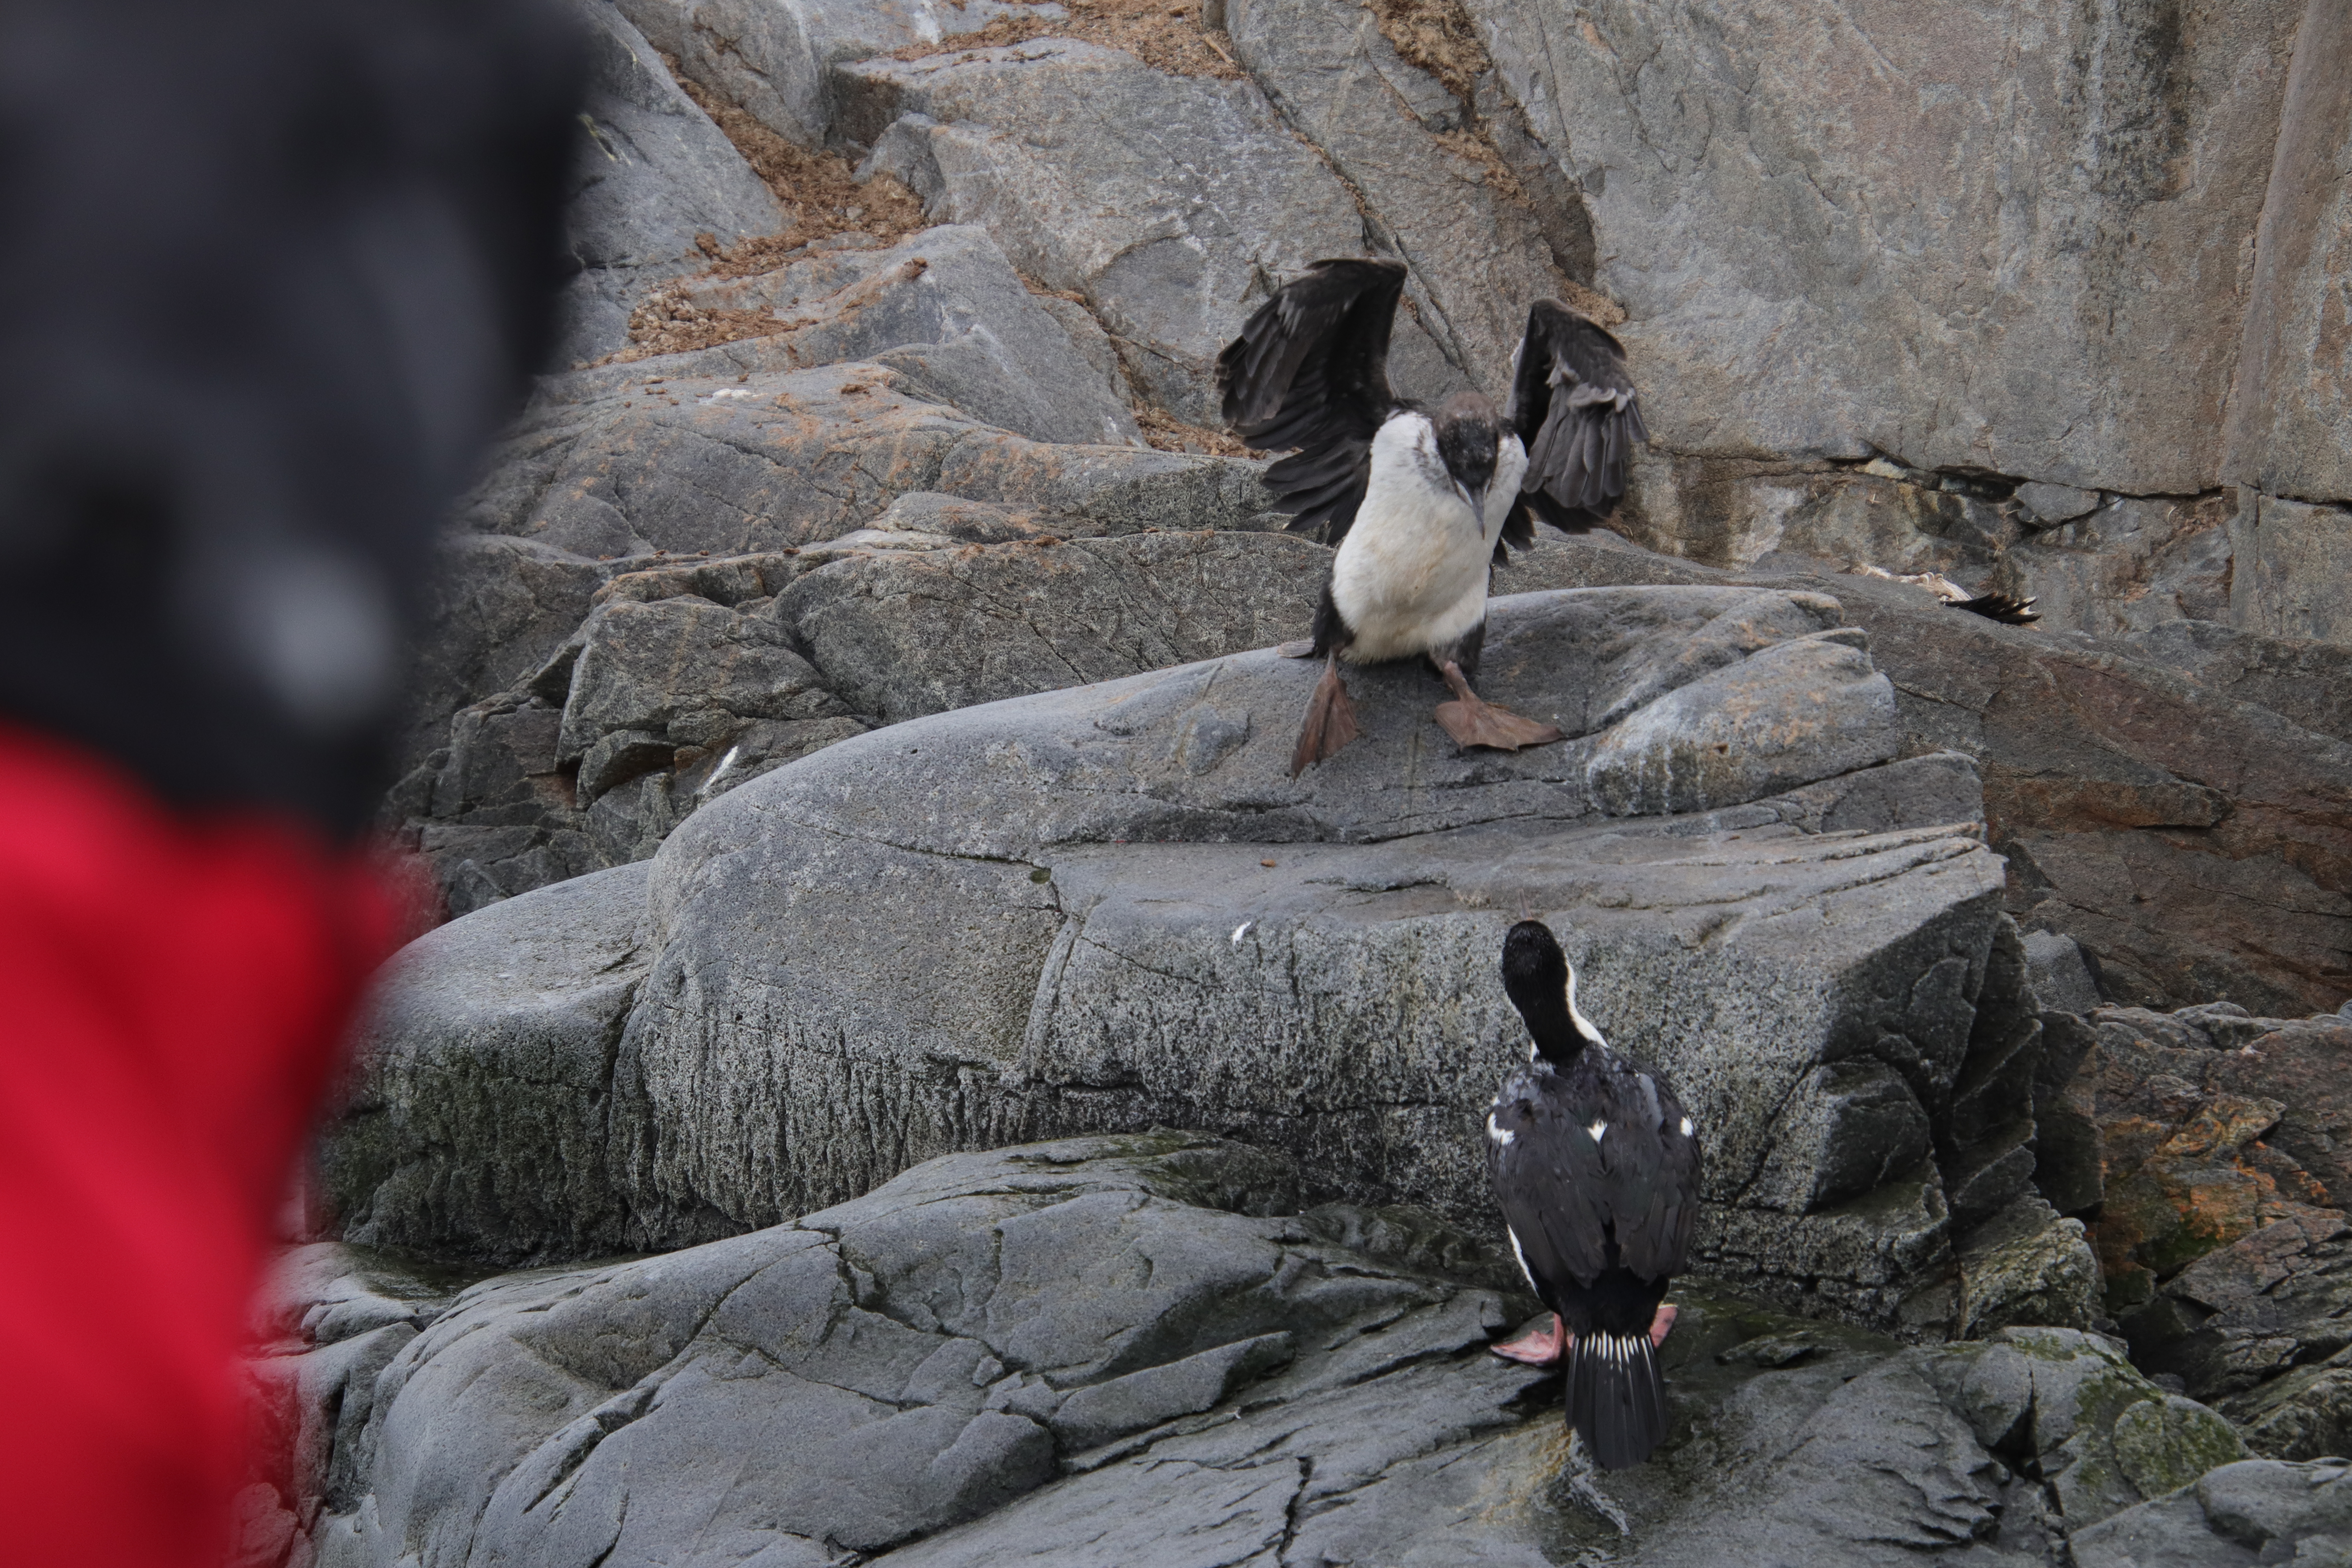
(1163, 1351)
(776, 61)
(2257, 1511)
(627, 461)
(1059, 150)
(1084, 871)
(946, 310)
(499, 1064)
(2219, 1222)
(2195, 845)
(898, 634)
(1406, 146)
(651, 172)
(1777, 273)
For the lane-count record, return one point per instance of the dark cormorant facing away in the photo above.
(1596, 1165)
(1421, 504)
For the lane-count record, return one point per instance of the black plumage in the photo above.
(1311, 371)
(1308, 376)
(1575, 406)
(1595, 1163)
(2001, 608)
(1419, 504)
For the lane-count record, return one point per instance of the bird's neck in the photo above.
(1558, 1030)
(1555, 1041)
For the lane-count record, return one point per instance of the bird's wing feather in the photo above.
(1546, 1180)
(1575, 406)
(1568, 1196)
(1309, 371)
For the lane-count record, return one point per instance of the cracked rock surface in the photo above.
(1158, 1352)
(1110, 907)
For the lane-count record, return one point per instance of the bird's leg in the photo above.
(1330, 720)
(1473, 722)
(1544, 1347)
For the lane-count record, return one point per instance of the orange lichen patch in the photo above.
(2225, 1123)
(1437, 36)
(1165, 34)
(822, 200)
(1169, 433)
(820, 194)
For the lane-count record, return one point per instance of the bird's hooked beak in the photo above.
(1476, 495)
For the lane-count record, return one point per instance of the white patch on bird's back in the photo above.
(1518, 1253)
(1686, 1126)
(1502, 1136)
(1411, 573)
(1597, 1129)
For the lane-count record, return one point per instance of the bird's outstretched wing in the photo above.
(1999, 608)
(1311, 371)
(1575, 407)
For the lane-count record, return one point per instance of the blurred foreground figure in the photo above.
(273, 272)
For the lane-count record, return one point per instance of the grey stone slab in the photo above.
(1058, 149)
(481, 1123)
(1779, 276)
(945, 309)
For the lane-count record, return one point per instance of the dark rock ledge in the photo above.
(1164, 1350)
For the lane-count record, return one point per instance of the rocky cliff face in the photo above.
(850, 741)
(2042, 300)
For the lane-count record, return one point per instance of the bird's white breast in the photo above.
(1410, 575)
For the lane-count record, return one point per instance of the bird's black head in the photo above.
(1542, 985)
(1469, 439)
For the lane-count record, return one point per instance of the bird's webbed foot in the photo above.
(1545, 1347)
(1537, 1347)
(1473, 721)
(1330, 721)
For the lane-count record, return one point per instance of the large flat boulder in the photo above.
(1157, 1348)
(2196, 843)
(1110, 907)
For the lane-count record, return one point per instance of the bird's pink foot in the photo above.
(1540, 1348)
(1544, 1347)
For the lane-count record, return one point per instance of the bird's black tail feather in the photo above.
(1616, 1397)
